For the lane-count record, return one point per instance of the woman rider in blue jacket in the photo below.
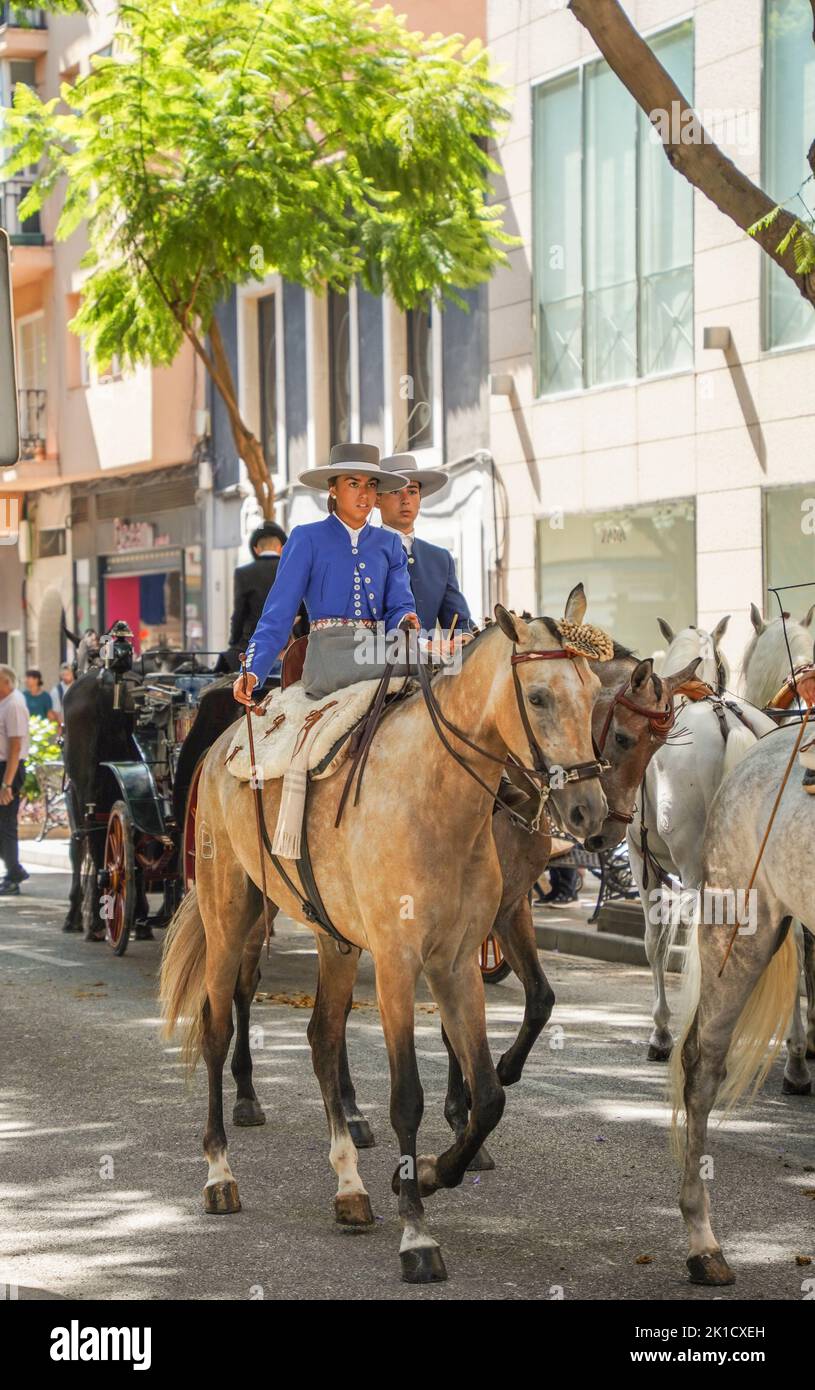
(352, 576)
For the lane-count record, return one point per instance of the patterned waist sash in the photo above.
(320, 623)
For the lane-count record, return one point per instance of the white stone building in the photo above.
(674, 478)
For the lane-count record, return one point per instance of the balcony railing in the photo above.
(21, 17)
(31, 403)
(22, 233)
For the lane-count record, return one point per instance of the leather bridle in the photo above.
(660, 722)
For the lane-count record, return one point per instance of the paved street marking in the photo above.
(41, 957)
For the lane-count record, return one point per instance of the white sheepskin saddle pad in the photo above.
(290, 719)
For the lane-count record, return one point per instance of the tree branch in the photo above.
(688, 147)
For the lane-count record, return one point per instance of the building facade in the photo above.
(652, 411)
(113, 518)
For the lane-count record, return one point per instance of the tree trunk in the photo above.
(688, 147)
(249, 448)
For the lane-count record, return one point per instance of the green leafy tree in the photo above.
(226, 139)
(43, 748)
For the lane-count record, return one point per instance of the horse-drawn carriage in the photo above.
(130, 763)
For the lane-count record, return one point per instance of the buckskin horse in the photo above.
(412, 876)
(631, 721)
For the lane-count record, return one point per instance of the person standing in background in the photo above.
(37, 699)
(252, 585)
(431, 568)
(66, 678)
(13, 750)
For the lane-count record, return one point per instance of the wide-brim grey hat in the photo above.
(361, 459)
(431, 479)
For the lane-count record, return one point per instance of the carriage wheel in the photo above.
(494, 965)
(118, 878)
(187, 865)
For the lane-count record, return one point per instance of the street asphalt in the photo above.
(100, 1136)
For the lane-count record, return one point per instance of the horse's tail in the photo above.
(739, 742)
(182, 987)
(759, 1032)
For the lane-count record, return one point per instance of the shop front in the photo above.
(139, 566)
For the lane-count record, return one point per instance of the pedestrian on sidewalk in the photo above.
(36, 696)
(66, 678)
(13, 750)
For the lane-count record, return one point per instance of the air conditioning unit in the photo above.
(25, 546)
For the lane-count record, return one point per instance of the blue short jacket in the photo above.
(337, 580)
(433, 580)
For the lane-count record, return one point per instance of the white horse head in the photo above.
(766, 663)
(693, 642)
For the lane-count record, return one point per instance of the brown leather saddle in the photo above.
(294, 659)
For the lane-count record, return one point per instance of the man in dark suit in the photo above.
(252, 584)
(431, 568)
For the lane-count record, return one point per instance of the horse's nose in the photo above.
(579, 817)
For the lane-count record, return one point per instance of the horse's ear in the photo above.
(510, 624)
(575, 610)
(666, 630)
(757, 620)
(642, 673)
(720, 629)
(680, 677)
(805, 622)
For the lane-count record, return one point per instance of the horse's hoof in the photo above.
(483, 1162)
(796, 1088)
(71, 926)
(362, 1134)
(248, 1112)
(657, 1053)
(422, 1265)
(353, 1209)
(144, 933)
(710, 1269)
(94, 936)
(221, 1198)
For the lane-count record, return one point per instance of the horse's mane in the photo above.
(492, 627)
(766, 662)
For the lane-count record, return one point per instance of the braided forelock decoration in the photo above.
(592, 642)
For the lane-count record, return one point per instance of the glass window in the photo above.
(339, 366)
(613, 230)
(558, 277)
(789, 545)
(420, 374)
(789, 121)
(267, 358)
(665, 231)
(637, 565)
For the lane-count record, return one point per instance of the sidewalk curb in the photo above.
(46, 854)
(607, 946)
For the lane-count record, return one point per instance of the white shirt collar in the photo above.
(355, 535)
(407, 540)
